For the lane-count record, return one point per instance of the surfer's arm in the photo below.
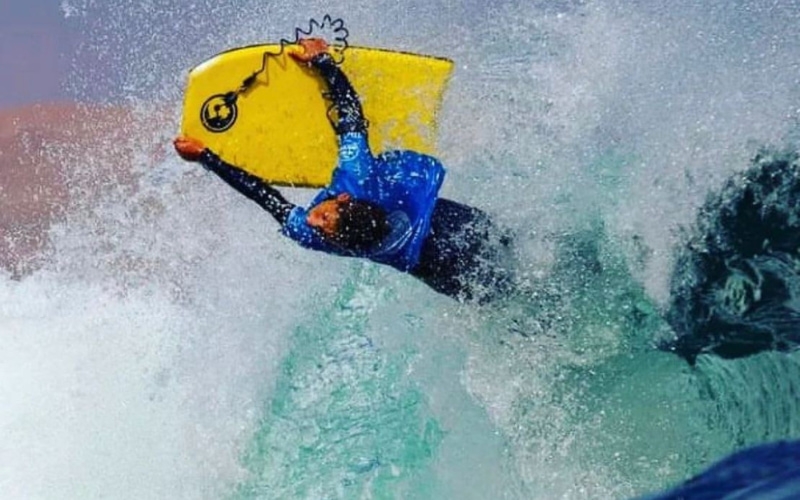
(343, 96)
(267, 197)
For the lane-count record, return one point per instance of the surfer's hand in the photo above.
(310, 48)
(189, 149)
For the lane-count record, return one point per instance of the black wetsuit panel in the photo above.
(267, 197)
(343, 96)
(465, 255)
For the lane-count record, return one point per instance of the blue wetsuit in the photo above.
(453, 248)
(403, 183)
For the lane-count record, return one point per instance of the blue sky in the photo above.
(107, 50)
(37, 47)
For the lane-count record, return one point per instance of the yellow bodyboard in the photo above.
(277, 127)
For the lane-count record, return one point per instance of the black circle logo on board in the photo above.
(219, 113)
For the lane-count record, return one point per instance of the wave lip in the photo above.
(765, 472)
(735, 287)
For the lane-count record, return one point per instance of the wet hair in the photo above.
(362, 225)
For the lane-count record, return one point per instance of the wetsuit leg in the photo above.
(465, 255)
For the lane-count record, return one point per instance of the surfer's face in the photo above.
(325, 215)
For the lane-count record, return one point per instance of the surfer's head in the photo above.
(349, 223)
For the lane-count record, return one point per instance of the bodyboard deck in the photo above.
(278, 129)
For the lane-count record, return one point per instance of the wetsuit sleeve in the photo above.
(350, 116)
(267, 197)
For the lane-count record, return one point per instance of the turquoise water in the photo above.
(176, 347)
